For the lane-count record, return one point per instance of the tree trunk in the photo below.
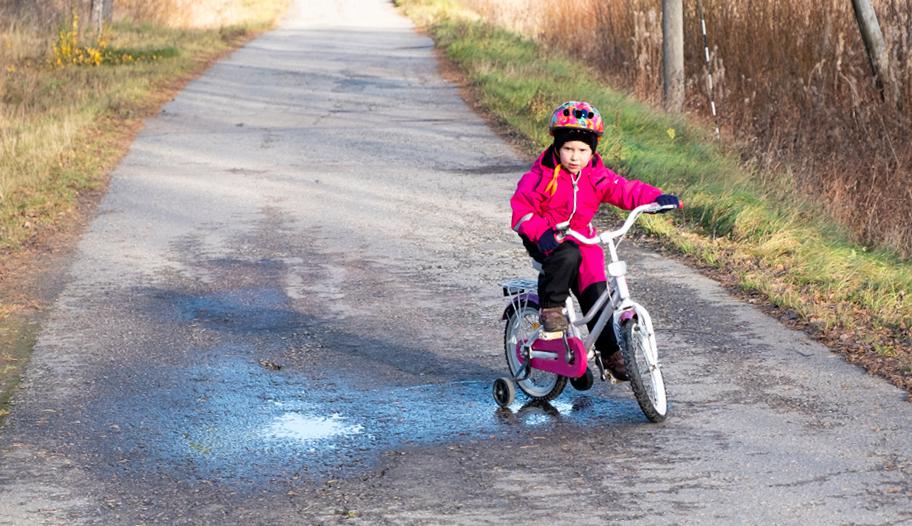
(673, 55)
(877, 50)
(98, 16)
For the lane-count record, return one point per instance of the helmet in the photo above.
(577, 115)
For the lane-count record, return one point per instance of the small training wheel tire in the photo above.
(504, 392)
(584, 382)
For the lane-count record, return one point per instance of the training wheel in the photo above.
(504, 392)
(584, 382)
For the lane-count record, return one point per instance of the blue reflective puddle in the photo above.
(308, 428)
(240, 423)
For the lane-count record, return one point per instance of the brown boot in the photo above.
(553, 319)
(615, 364)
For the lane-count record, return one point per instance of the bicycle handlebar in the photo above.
(604, 237)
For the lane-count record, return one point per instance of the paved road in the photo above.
(286, 312)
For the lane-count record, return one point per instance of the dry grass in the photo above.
(792, 82)
(189, 13)
(62, 121)
(172, 13)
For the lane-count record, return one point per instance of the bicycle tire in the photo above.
(645, 376)
(541, 386)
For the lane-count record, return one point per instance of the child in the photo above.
(568, 182)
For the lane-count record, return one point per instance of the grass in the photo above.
(754, 229)
(63, 126)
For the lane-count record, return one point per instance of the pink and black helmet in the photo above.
(577, 115)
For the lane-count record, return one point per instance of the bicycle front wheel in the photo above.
(642, 361)
(540, 385)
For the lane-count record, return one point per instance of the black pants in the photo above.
(560, 270)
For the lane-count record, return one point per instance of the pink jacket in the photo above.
(535, 210)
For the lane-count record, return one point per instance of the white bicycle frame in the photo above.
(617, 295)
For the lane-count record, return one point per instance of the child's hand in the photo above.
(548, 242)
(666, 200)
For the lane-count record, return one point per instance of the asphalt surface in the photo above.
(287, 311)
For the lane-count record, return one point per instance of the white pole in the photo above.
(709, 78)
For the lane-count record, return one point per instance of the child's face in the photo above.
(574, 155)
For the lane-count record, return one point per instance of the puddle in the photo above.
(538, 414)
(229, 419)
(308, 429)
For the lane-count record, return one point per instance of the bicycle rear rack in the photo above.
(518, 290)
(516, 286)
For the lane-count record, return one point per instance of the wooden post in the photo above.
(877, 50)
(673, 55)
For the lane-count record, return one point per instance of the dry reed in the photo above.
(792, 81)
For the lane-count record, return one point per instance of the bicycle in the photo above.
(540, 363)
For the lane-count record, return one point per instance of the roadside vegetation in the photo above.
(791, 79)
(72, 98)
(751, 222)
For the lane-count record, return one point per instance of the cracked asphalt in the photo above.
(287, 311)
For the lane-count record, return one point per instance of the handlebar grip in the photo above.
(663, 208)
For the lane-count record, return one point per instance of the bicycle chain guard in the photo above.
(559, 365)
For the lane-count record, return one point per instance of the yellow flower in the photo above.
(94, 56)
(11, 69)
(671, 133)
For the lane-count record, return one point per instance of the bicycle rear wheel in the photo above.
(540, 385)
(642, 361)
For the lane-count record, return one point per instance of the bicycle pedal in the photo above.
(556, 335)
(607, 376)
